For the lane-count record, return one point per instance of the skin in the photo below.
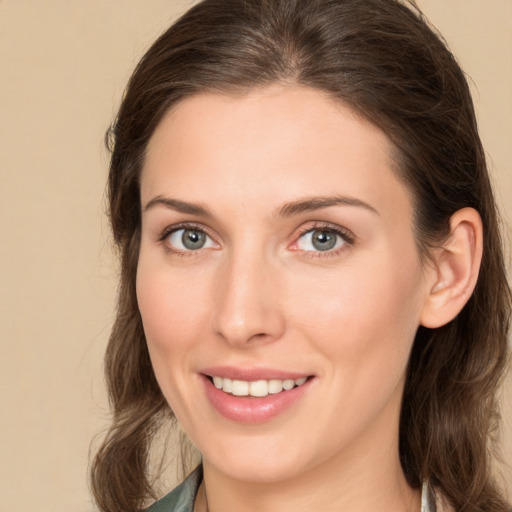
(258, 294)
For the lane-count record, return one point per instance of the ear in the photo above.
(455, 269)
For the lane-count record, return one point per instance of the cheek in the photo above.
(170, 307)
(364, 316)
(173, 315)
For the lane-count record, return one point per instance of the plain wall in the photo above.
(63, 67)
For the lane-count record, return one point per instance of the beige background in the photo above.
(63, 66)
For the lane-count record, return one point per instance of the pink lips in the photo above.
(248, 409)
(251, 374)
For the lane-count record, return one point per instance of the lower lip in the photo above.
(248, 409)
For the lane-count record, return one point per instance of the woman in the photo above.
(312, 277)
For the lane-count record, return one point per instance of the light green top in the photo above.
(181, 499)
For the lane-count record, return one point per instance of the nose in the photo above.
(247, 309)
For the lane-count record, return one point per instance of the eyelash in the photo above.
(169, 230)
(346, 235)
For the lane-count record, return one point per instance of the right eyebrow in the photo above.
(310, 204)
(179, 206)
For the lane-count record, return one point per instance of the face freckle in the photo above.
(307, 266)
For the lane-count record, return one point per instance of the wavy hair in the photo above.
(382, 59)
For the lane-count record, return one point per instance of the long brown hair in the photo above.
(380, 58)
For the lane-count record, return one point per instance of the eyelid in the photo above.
(164, 233)
(347, 236)
(169, 230)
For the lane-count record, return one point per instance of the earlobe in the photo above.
(455, 269)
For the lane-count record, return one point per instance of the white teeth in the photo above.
(288, 384)
(275, 386)
(227, 385)
(240, 388)
(257, 388)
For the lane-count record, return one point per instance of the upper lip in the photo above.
(252, 374)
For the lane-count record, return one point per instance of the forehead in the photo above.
(276, 143)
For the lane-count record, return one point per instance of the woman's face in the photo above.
(277, 250)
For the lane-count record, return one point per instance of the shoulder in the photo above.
(180, 499)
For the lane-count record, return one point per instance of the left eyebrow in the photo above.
(309, 204)
(179, 206)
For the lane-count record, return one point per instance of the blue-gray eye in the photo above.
(323, 240)
(189, 240)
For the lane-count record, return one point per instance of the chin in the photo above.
(250, 458)
(261, 460)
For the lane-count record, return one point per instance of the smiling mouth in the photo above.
(256, 388)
